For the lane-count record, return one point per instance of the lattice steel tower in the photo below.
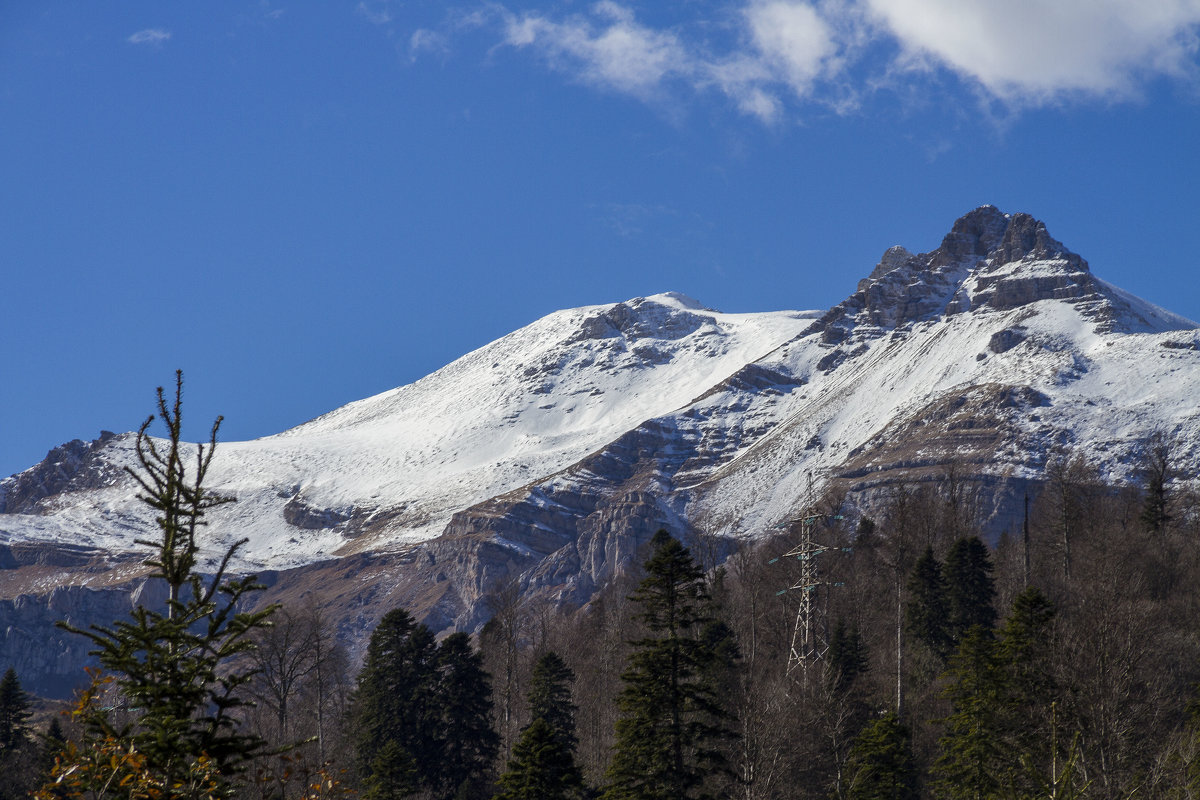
(810, 641)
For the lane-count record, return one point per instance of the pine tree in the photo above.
(178, 668)
(1156, 506)
(397, 747)
(881, 764)
(53, 743)
(970, 590)
(672, 723)
(926, 614)
(468, 744)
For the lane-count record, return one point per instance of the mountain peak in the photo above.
(988, 260)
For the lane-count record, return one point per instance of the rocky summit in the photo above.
(545, 459)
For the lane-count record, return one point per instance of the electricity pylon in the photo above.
(810, 641)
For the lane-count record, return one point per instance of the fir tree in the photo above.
(926, 614)
(14, 713)
(18, 752)
(970, 590)
(543, 762)
(542, 768)
(847, 658)
(550, 697)
(881, 764)
(1030, 690)
(672, 723)
(177, 668)
(1156, 506)
(973, 760)
(397, 748)
(468, 744)
(53, 743)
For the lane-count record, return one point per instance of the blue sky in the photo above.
(304, 204)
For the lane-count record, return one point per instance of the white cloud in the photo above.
(424, 40)
(1035, 51)
(614, 51)
(794, 39)
(375, 12)
(151, 36)
(768, 55)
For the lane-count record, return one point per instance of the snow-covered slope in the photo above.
(990, 353)
(552, 454)
(396, 466)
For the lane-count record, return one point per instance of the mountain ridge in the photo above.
(548, 457)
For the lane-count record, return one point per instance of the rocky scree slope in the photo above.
(550, 456)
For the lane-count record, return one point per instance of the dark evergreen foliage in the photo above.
(422, 714)
(1029, 689)
(672, 723)
(847, 657)
(177, 668)
(881, 764)
(541, 767)
(973, 763)
(468, 744)
(19, 766)
(14, 712)
(550, 697)
(970, 590)
(396, 719)
(926, 614)
(1156, 470)
(543, 761)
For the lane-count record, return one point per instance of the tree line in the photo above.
(1059, 662)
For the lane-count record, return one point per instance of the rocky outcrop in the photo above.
(71, 467)
(970, 269)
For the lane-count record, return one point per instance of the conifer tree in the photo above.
(973, 762)
(541, 768)
(847, 658)
(543, 763)
(177, 667)
(970, 589)
(550, 697)
(14, 713)
(468, 744)
(395, 711)
(926, 614)
(672, 723)
(18, 753)
(1156, 507)
(1030, 691)
(881, 764)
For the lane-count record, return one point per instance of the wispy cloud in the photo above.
(608, 48)
(377, 12)
(424, 41)
(150, 36)
(628, 220)
(768, 56)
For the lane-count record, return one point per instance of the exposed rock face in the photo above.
(71, 467)
(939, 362)
(972, 268)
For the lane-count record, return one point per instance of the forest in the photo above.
(895, 654)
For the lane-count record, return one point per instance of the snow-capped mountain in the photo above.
(550, 455)
(392, 469)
